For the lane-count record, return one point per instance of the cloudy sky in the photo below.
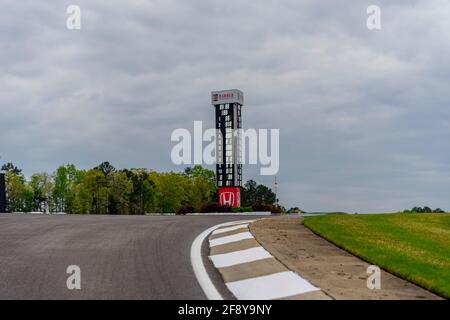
(364, 116)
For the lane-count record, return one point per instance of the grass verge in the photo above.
(415, 247)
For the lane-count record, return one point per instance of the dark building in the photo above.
(228, 107)
(2, 193)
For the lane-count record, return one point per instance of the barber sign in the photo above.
(227, 96)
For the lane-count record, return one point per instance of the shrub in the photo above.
(215, 207)
(185, 210)
(266, 207)
(242, 209)
(295, 210)
(276, 209)
(424, 210)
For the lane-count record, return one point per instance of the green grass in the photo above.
(415, 247)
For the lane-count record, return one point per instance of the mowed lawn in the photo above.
(415, 247)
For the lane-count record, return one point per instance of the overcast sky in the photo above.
(364, 116)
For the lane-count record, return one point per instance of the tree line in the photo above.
(107, 190)
(424, 210)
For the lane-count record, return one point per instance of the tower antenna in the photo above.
(276, 192)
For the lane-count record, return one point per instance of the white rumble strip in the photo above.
(238, 257)
(273, 286)
(223, 230)
(230, 239)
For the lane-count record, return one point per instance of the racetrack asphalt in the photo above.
(120, 257)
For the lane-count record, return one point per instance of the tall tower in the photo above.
(2, 193)
(228, 106)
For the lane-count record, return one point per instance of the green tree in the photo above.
(61, 189)
(253, 193)
(106, 168)
(10, 167)
(96, 184)
(65, 178)
(142, 197)
(172, 191)
(82, 198)
(42, 186)
(120, 190)
(203, 186)
(295, 210)
(198, 171)
(20, 197)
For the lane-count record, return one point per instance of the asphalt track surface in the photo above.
(120, 257)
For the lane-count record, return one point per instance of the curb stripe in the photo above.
(223, 230)
(274, 286)
(239, 257)
(234, 246)
(229, 239)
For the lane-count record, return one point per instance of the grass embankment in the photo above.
(415, 247)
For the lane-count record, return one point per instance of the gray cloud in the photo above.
(363, 115)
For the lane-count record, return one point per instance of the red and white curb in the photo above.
(271, 286)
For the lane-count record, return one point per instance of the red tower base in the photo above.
(230, 196)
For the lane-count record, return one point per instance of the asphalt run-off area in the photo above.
(120, 257)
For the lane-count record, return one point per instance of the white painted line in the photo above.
(238, 257)
(197, 262)
(230, 239)
(273, 286)
(235, 214)
(223, 230)
(233, 223)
